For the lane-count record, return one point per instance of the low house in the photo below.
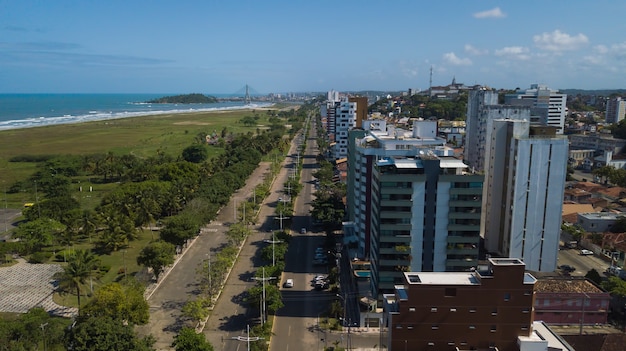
(568, 300)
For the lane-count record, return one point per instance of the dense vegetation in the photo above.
(170, 196)
(184, 99)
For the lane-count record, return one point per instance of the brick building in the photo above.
(478, 310)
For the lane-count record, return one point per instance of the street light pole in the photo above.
(247, 338)
(263, 308)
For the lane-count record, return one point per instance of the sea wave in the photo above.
(100, 116)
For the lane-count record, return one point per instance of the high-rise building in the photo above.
(523, 199)
(376, 141)
(413, 206)
(615, 110)
(345, 120)
(482, 109)
(547, 106)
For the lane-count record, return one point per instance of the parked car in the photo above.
(567, 268)
(319, 277)
(303, 231)
(321, 285)
(288, 283)
(586, 252)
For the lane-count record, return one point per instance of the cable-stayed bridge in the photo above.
(247, 93)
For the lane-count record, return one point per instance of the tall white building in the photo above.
(523, 198)
(615, 110)
(547, 106)
(345, 120)
(482, 109)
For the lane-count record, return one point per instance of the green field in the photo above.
(140, 136)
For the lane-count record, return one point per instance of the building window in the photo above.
(527, 293)
(472, 310)
(434, 327)
(507, 296)
(452, 309)
(526, 310)
(411, 309)
(450, 343)
(493, 329)
(546, 302)
(431, 344)
(433, 309)
(450, 292)
(472, 327)
(398, 326)
(524, 327)
(410, 327)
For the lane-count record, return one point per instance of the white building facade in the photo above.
(482, 109)
(547, 106)
(523, 198)
(345, 120)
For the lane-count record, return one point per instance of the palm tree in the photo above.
(80, 266)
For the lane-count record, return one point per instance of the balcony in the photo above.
(463, 227)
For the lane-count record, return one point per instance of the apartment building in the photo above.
(425, 217)
(486, 309)
(376, 141)
(547, 106)
(524, 187)
(482, 110)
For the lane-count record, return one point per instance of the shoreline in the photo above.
(30, 123)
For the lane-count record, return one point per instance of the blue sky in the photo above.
(210, 46)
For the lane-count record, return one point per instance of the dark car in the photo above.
(567, 268)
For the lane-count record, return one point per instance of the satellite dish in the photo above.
(421, 152)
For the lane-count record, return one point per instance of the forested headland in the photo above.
(184, 99)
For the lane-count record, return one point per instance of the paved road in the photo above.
(181, 282)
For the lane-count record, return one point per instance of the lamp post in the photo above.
(263, 308)
(273, 241)
(247, 338)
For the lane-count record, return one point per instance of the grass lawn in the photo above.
(140, 136)
(117, 261)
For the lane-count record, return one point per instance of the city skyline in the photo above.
(281, 46)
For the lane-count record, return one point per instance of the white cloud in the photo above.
(475, 51)
(559, 41)
(514, 52)
(451, 58)
(493, 13)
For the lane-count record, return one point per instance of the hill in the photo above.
(184, 99)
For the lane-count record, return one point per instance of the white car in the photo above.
(319, 277)
(586, 252)
(288, 283)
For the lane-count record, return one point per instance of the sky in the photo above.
(280, 46)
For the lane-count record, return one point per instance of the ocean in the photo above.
(34, 110)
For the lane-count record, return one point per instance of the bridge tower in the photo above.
(247, 97)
